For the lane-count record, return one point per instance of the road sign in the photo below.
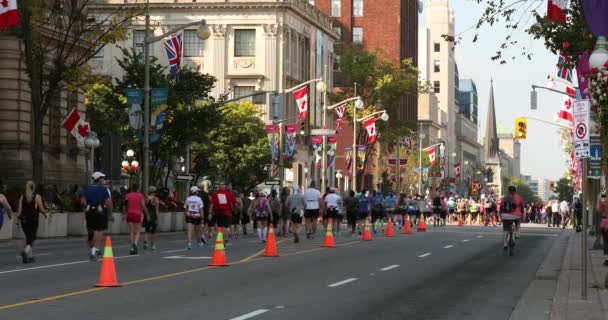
(323, 132)
(580, 110)
(184, 177)
(272, 182)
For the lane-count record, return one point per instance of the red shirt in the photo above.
(518, 204)
(222, 201)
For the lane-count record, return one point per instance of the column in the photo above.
(273, 57)
(218, 36)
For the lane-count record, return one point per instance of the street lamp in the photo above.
(339, 176)
(130, 166)
(599, 56)
(203, 33)
(421, 136)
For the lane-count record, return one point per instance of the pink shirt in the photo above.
(518, 205)
(134, 200)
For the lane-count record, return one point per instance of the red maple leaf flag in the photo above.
(370, 126)
(432, 156)
(301, 96)
(76, 126)
(566, 110)
(83, 129)
(457, 170)
(70, 122)
(9, 16)
(556, 10)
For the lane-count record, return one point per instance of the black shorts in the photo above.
(451, 211)
(311, 213)
(362, 215)
(265, 217)
(222, 220)
(96, 221)
(193, 220)
(296, 218)
(236, 218)
(331, 213)
(436, 210)
(507, 223)
(150, 225)
(245, 219)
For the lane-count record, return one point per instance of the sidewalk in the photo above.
(567, 301)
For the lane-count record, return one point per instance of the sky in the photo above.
(541, 154)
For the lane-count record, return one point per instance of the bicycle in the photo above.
(511, 238)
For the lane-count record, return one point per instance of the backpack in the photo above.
(508, 204)
(261, 208)
(378, 203)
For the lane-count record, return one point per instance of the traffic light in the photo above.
(552, 185)
(521, 128)
(302, 127)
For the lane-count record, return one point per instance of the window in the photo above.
(244, 43)
(336, 63)
(338, 30)
(357, 35)
(193, 46)
(436, 86)
(241, 91)
(436, 66)
(336, 7)
(437, 47)
(138, 41)
(357, 8)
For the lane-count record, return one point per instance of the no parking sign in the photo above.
(580, 111)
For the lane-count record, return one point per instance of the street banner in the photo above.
(317, 147)
(340, 113)
(76, 125)
(135, 99)
(9, 15)
(348, 157)
(566, 110)
(556, 10)
(361, 157)
(370, 126)
(272, 131)
(174, 49)
(332, 143)
(290, 140)
(457, 170)
(301, 96)
(581, 128)
(432, 156)
(158, 114)
(563, 71)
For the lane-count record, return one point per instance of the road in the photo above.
(445, 273)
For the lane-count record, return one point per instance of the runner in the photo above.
(332, 203)
(30, 207)
(151, 220)
(134, 205)
(237, 211)
(365, 206)
(511, 208)
(296, 204)
(444, 211)
(208, 222)
(461, 207)
(378, 207)
(4, 206)
(412, 210)
(402, 202)
(194, 214)
(312, 197)
(222, 202)
(351, 205)
(246, 211)
(391, 205)
(424, 208)
(275, 205)
(436, 209)
(474, 209)
(452, 209)
(285, 213)
(564, 212)
(262, 215)
(97, 202)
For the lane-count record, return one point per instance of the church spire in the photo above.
(491, 139)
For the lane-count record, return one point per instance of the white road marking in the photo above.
(169, 251)
(390, 267)
(251, 314)
(479, 237)
(188, 258)
(424, 255)
(448, 246)
(466, 240)
(333, 285)
(62, 264)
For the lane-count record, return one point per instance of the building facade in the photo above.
(258, 45)
(510, 150)
(544, 190)
(467, 99)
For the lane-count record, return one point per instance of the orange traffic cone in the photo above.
(406, 229)
(219, 255)
(329, 237)
(421, 226)
(271, 243)
(389, 229)
(460, 223)
(367, 234)
(107, 277)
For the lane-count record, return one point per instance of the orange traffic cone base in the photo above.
(219, 255)
(389, 229)
(271, 243)
(107, 276)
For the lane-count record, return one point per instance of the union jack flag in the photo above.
(562, 71)
(173, 46)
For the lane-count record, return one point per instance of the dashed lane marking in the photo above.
(337, 284)
(448, 246)
(424, 255)
(466, 240)
(390, 267)
(251, 314)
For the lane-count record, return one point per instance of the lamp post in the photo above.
(130, 165)
(91, 142)
(421, 136)
(339, 176)
(203, 34)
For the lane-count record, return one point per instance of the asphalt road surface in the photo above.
(445, 273)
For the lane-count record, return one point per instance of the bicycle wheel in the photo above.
(511, 243)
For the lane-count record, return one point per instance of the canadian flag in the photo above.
(370, 125)
(301, 96)
(9, 16)
(556, 10)
(76, 126)
(566, 110)
(457, 170)
(432, 156)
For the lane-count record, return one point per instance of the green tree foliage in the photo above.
(59, 40)
(564, 190)
(524, 191)
(235, 148)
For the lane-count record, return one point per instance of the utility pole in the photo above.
(354, 152)
(584, 233)
(324, 125)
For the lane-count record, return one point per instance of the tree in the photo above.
(524, 191)
(236, 148)
(59, 39)
(381, 83)
(564, 190)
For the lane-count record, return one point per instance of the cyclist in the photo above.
(511, 208)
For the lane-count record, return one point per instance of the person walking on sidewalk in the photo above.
(312, 197)
(578, 214)
(151, 220)
(98, 205)
(134, 205)
(296, 205)
(30, 206)
(555, 215)
(601, 209)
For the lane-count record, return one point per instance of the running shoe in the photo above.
(145, 245)
(200, 244)
(153, 247)
(189, 246)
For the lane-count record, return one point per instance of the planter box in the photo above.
(119, 225)
(56, 225)
(165, 221)
(179, 223)
(77, 225)
(6, 233)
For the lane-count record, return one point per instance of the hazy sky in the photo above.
(541, 153)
